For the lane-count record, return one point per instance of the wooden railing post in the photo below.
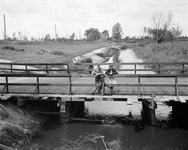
(11, 68)
(26, 71)
(7, 90)
(70, 81)
(37, 88)
(159, 67)
(103, 86)
(135, 68)
(176, 86)
(47, 69)
(183, 70)
(139, 85)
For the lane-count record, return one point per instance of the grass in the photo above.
(31, 51)
(165, 52)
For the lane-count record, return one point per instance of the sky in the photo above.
(36, 18)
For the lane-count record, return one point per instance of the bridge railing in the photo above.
(34, 84)
(35, 68)
(141, 84)
(142, 68)
(69, 81)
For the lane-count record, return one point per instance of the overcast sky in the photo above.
(36, 18)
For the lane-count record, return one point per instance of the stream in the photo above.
(112, 135)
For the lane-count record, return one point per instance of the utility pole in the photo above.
(79, 34)
(55, 33)
(4, 28)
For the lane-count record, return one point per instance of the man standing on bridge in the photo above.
(98, 72)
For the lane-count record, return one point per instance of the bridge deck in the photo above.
(85, 85)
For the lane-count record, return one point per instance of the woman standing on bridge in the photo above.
(111, 72)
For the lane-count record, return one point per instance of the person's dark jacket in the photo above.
(111, 72)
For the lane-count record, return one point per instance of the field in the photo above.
(47, 52)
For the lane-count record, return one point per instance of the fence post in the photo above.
(38, 91)
(26, 71)
(47, 69)
(159, 67)
(135, 68)
(176, 86)
(7, 90)
(138, 85)
(183, 70)
(11, 68)
(70, 81)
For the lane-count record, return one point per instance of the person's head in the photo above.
(98, 66)
(110, 66)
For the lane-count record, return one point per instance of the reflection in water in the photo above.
(117, 135)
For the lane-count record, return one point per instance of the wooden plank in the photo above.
(175, 98)
(129, 101)
(135, 99)
(182, 100)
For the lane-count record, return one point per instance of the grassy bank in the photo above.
(17, 126)
(165, 52)
(47, 52)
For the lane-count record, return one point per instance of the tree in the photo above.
(117, 32)
(92, 34)
(72, 37)
(14, 36)
(47, 37)
(20, 35)
(162, 29)
(105, 34)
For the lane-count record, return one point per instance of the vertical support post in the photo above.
(70, 81)
(153, 106)
(47, 69)
(183, 70)
(26, 71)
(68, 110)
(11, 68)
(103, 88)
(70, 85)
(176, 86)
(159, 67)
(62, 110)
(139, 85)
(37, 87)
(135, 68)
(7, 90)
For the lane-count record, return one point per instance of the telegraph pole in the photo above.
(5, 28)
(55, 33)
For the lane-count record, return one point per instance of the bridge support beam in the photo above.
(70, 109)
(148, 111)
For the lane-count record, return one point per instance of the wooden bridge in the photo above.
(61, 80)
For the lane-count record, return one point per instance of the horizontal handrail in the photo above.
(28, 68)
(70, 83)
(45, 68)
(137, 63)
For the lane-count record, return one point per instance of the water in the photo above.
(118, 134)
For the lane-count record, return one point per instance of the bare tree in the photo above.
(158, 22)
(117, 33)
